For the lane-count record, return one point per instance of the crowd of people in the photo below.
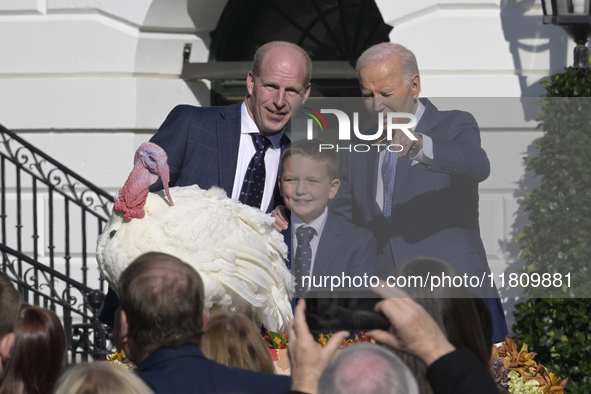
(164, 327)
(420, 200)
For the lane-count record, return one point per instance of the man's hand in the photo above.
(410, 147)
(281, 215)
(413, 330)
(307, 357)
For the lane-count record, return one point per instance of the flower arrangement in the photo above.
(278, 344)
(517, 372)
(280, 341)
(275, 340)
(322, 339)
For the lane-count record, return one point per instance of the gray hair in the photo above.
(367, 369)
(386, 51)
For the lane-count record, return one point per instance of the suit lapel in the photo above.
(429, 119)
(277, 199)
(285, 141)
(228, 134)
(328, 245)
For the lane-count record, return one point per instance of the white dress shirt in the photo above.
(245, 152)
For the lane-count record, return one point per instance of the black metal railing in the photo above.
(50, 218)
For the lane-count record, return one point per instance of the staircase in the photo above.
(50, 220)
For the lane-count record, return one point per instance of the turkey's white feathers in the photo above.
(233, 246)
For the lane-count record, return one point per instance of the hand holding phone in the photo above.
(351, 310)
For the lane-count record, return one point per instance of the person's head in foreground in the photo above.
(367, 369)
(161, 305)
(232, 339)
(100, 378)
(308, 178)
(38, 354)
(453, 309)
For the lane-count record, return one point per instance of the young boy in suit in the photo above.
(326, 250)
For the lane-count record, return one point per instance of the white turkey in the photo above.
(233, 246)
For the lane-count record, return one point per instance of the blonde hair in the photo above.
(311, 150)
(101, 378)
(234, 340)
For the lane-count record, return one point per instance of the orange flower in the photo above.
(552, 384)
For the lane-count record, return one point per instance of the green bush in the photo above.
(558, 238)
(557, 329)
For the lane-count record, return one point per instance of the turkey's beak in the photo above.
(164, 174)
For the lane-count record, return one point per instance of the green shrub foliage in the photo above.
(558, 238)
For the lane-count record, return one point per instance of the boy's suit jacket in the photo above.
(342, 248)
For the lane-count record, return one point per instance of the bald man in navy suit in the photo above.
(212, 146)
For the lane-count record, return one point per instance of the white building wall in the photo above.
(482, 48)
(105, 69)
(89, 80)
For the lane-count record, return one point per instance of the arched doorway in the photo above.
(333, 32)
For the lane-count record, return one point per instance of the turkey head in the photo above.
(150, 162)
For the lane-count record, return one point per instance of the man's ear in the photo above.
(280, 186)
(6, 345)
(416, 85)
(119, 338)
(123, 326)
(250, 83)
(307, 93)
(204, 317)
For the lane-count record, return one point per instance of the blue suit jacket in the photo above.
(343, 249)
(187, 370)
(434, 209)
(202, 147)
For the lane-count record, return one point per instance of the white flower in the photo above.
(518, 385)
